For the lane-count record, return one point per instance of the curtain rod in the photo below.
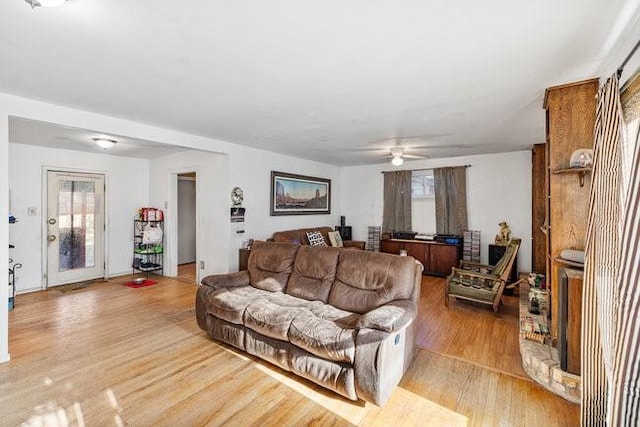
(628, 58)
(427, 169)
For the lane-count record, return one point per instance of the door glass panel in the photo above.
(76, 219)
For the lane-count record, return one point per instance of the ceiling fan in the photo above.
(410, 147)
(398, 155)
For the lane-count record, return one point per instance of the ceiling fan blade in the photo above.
(364, 150)
(436, 147)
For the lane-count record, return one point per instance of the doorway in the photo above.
(75, 225)
(187, 237)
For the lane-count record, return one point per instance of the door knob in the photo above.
(51, 237)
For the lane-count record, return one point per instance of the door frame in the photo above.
(43, 216)
(171, 221)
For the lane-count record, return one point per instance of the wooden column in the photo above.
(538, 203)
(571, 112)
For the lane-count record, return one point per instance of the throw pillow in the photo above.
(315, 238)
(336, 239)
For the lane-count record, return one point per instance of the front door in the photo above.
(75, 227)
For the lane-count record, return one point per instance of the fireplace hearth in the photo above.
(541, 360)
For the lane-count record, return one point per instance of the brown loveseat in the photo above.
(342, 319)
(299, 237)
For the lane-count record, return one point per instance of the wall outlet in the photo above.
(201, 265)
(32, 211)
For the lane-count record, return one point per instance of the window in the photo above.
(422, 185)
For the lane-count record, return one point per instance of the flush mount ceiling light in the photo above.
(397, 153)
(45, 3)
(105, 143)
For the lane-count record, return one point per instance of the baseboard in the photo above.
(5, 358)
(28, 290)
(120, 274)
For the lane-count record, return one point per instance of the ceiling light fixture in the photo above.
(45, 3)
(105, 143)
(397, 153)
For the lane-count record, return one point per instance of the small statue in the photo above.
(504, 235)
(534, 305)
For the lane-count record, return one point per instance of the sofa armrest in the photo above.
(383, 357)
(231, 280)
(359, 244)
(389, 317)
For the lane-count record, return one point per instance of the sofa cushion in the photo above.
(313, 273)
(270, 265)
(230, 303)
(326, 332)
(272, 315)
(366, 280)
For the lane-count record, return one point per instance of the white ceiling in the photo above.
(32, 132)
(318, 80)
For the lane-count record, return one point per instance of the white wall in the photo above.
(4, 230)
(186, 220)
(127, 182)
(212, 205)
(22, 107)
(250, 169)
(498, 188)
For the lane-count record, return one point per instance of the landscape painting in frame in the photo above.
(299, 195)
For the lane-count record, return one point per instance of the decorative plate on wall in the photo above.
(236, 196)
(581, 158)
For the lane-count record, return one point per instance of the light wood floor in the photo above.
(109, 354)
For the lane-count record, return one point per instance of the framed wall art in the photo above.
(299, 195)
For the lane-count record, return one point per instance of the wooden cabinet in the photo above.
(391, 246)
(437, 258)
(570, 116)
(417, 250)
(442, 257)
(243, 259)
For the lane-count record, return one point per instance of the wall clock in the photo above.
(237, 196)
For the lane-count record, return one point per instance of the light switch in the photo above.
(32, 211)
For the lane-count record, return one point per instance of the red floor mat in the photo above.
(147, 282)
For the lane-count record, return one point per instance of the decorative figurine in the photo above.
(237, 197)
(504, 235)
(534, 305)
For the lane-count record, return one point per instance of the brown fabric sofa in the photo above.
(299, 237)
(342, 319)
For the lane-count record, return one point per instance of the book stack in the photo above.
(373, 240)
(471, 246)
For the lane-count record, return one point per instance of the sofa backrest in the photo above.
(314, 271)
(271, 264)
(356, 281)
(366, 280)
(299, 235)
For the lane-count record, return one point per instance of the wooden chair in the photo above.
(482, 283)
